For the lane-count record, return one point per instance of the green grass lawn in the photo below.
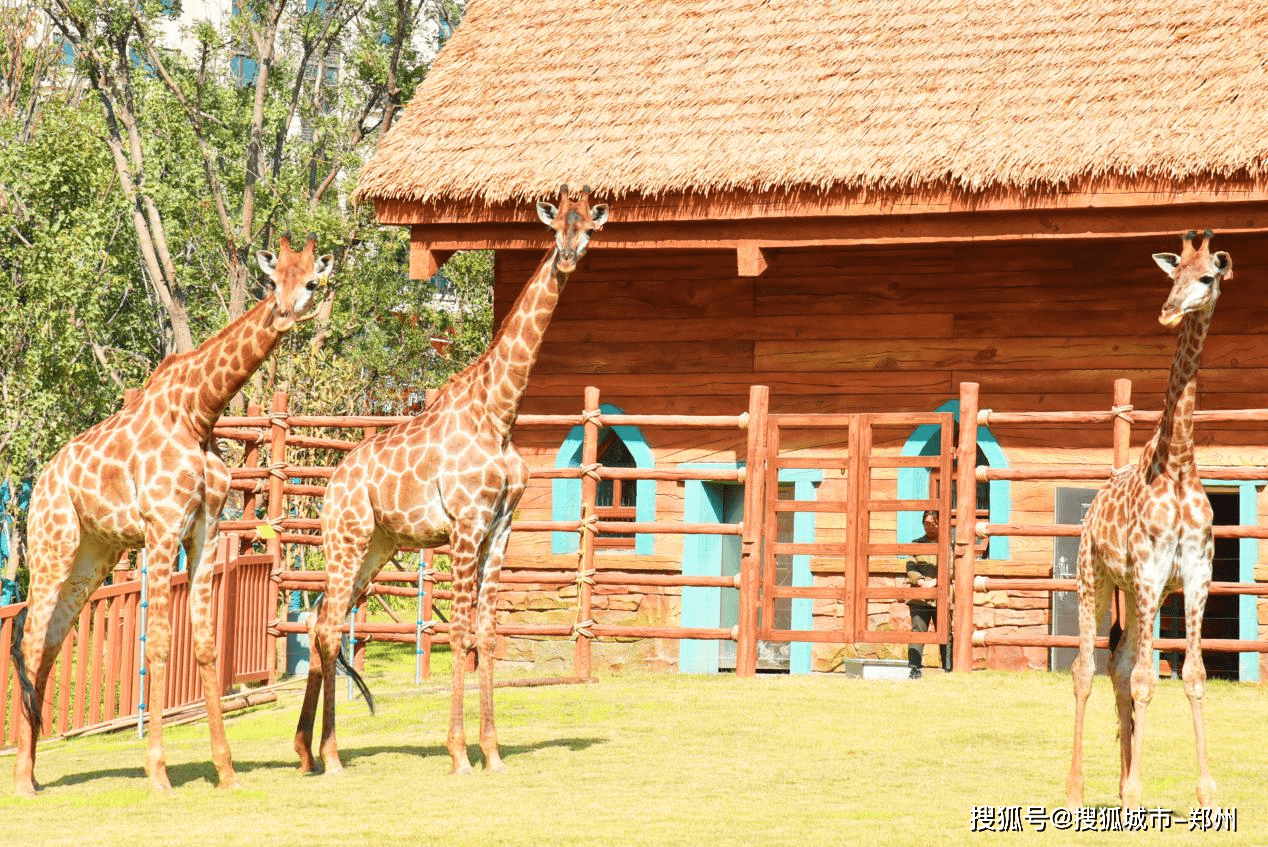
(643, 759)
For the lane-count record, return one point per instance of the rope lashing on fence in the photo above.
(279, 419)
(1124, 412)
(592, 470)
(593, 416)
(585, 578)
(581, 629)
(278, 469)
(589, 522)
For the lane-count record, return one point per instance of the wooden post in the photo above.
(227, 553)
(966, 512)
(1122, 422)
(276, 508)
(755, 469)
(251, 459)
(585, 555)
(1122, 457)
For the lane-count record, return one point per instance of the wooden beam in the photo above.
(751, 260)
(1164, 221)
(424, 260)
(1108, 192)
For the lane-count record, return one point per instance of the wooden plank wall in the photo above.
(1039, 324)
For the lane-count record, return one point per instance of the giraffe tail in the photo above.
(29, 705)
(356, 679)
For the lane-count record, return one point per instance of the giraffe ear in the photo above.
(599, 215)
(1167, 261)
(1224, 263)
(547, 212)
(323, 265)
(268, 262)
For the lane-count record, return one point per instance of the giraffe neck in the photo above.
(1171, 448)
(201, 383)
(511, 356)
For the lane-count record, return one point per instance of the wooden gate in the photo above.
(844, 580)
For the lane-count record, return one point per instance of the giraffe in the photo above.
(451, 474)
(150, 476)
(1148, 532)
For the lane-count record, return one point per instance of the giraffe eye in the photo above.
(312, 285)
(1207, 280)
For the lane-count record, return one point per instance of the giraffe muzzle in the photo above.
(567, 260)
(1171, 315)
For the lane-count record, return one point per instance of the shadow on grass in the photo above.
(508, 751)
(195, 772)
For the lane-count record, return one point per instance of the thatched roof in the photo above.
(700, 97)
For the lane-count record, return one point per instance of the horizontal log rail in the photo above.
(989, 417)
(990, 530)
(1100, 473)
(989, 638)
(994, 583)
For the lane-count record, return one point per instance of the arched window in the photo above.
(616, 499)
(993, 498)
(620, 500)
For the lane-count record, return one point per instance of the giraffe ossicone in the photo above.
(1148, 532)
(150, 476)
(451, 474)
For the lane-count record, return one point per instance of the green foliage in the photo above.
(68, 284)
(80, 314)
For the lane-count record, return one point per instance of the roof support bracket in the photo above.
(751, 259)
(424, 261)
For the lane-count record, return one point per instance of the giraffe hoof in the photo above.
(494, 766)
(460, 770)
(27, 791)
(1206, 793)
(231, 783)
(333, 770)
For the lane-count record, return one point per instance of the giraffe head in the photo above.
(293, 277)
(1196, 274)
(573, 222)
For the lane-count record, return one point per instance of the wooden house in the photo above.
(861, 206)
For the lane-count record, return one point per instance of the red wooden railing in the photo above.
(96, 679)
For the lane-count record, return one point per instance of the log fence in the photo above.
(98, 678)
(425, 580)
(1121, 416)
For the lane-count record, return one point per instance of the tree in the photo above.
(147, 174)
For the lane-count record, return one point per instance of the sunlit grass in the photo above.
(644, 759)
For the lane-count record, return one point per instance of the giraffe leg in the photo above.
(201, 556)
(161, 550)
(486, 619)
(53, 605)
(465, 546)
(1122, 660)
(349, 568)
(1196, 588)
(312, 691)
(1143, 679)
(1094, 598)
